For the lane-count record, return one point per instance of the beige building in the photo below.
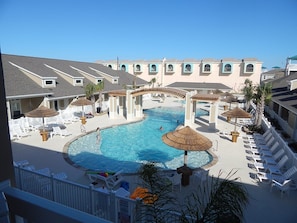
(230, 72)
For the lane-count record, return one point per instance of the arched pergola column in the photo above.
(122, 105)
(130, 105)
(112, 107)
(213, 116)
(138, 107)
(189, 109)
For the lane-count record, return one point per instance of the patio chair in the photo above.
(58, 131)
(257, 136)
(110, 179)
(265, 150)
(17, 132)
(271, 168)
(257, 144)
(277, 177)
(269, 158)
(284, 186)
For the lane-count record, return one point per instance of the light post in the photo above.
(163, 70)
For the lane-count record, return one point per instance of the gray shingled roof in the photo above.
(200, 86)
(282, 95)
(18, 85)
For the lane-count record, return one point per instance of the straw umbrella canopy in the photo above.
(236, 113)
(230, 99)
(42, 112)
(82, 102)
(187, 139)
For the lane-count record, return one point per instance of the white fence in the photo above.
(103, 204)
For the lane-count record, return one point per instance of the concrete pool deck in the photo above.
(264, 206)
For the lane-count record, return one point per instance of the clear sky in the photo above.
(90, 30)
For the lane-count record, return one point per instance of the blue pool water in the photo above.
(126, 147)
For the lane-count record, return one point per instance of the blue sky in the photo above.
(90, 30)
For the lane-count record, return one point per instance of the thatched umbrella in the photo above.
(236, 113)
(230, 99)
(42, 112)
(187, 139)
(82, 102)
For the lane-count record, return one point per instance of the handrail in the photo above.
(37, 209)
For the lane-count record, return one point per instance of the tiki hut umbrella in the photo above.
(82, 102)
(42, 112)
(226, 94)
(236, 113)
(229, 99)
(187, 139)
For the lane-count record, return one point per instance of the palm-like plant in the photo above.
(159, 196)
(218, 200)
(248, 91)
(263, 96)
(153, 81)
(91, 89)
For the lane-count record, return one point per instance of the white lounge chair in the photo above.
(58, 131)
(284, 186)
(111, 180)
(17, 132)
(269, 159)
(277, 177)
(265, 150)
(270, 168)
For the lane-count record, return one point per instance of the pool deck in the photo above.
(264, 206)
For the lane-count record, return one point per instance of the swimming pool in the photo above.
(126, 147)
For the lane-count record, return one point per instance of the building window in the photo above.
(187, 68)
(123, 67)
(206, 68)
(153, 68)
(249, 68)
(137, 68)
(49, 83)
(169, 68)
(78, 81)
(110, 66)
(227, 68)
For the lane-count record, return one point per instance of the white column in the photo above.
(121, 105)
(188, 110)
(130, 105)
(112, 107)
(213, 116)
(8, 110)
(138, 107)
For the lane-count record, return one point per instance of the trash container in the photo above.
(186, 172)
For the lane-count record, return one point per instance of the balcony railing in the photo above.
(27, 207)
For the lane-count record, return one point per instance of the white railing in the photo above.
(87, 199)
(104, 204)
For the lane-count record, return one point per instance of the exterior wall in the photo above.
(234, 80)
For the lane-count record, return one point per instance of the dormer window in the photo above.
(123, 67)
(169, 68)
(187, 68)
(227, 68)
(249, 68)
(99, 81)
(78, 82)
(153, 68)
(206, 68)
(48, 83)
(137, 68)
(115, 80)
